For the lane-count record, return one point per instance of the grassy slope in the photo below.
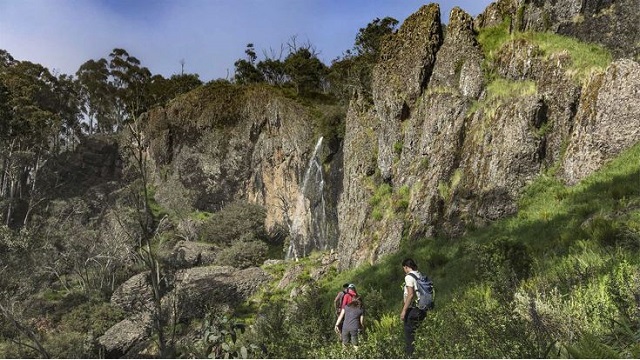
(560, 278)
(565, 268)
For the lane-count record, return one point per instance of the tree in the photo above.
(304, 69)
(97, 95)
(31, 124)
(161, 90)
(130, 82)
(246, 71)
(352, 72)
(370, 39)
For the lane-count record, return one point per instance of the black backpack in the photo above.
(425, 289)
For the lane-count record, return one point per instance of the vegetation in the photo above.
(559, 279)
(584, 58)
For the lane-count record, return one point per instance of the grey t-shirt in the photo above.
(352, 318)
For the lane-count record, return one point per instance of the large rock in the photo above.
(134, 295)
(199, 290)
(187, 254)
(127, 336)
(607, 121)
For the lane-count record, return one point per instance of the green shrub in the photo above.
(243, 254)
(232, 222)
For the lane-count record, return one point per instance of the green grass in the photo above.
(585, 58)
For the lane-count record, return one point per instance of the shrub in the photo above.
(243, 254)
(232, 222)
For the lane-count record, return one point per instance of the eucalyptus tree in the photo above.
(246, 71)
(96, 94)
(114, 91)
(129, 81)
(31, 120)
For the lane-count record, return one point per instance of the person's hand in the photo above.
(402, 315)
(336, 329)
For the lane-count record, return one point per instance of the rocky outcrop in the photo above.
(461, 149)
(193, 293)
(607, 122)
(199, 290)
(612, 23)
(448, 140)
(399, 79)
(134, 295)
(187, 254)
(223, 143)
(127, 337)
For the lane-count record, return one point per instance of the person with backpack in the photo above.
(337, 302)
(417, 299)
(353, 316)
(344, 298)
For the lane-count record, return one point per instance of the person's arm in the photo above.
(407, 301)
(362, 321)
(339, 319)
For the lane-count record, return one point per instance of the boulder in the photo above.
(199, 290)
(134, 295)
(187, 254)
(126, 336)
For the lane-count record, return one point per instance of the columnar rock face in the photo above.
(607, 122)
(462, 152)
(399, 79)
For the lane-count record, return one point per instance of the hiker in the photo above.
(411, 314)
(353, 316)
(337, 302)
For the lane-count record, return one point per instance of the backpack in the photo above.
(348, 297)
(425, 289)
(338, 301)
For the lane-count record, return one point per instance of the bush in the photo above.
(243, 254)
(232, 222)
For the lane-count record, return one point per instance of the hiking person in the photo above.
(353, 316)
(411, 314)
(337, 302)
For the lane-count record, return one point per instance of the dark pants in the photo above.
(412, 319)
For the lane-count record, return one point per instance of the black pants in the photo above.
(412, 319)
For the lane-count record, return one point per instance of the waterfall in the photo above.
(308, 229)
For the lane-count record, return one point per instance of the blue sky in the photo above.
(209, 35)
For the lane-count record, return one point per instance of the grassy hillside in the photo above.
(559, 279)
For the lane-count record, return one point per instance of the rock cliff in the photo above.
(465, 133)
(453, 132)
(221, 143)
